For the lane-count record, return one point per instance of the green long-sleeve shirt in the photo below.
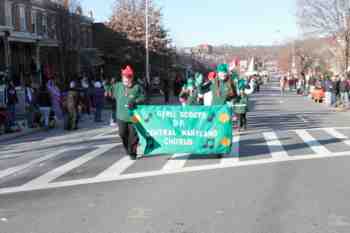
(223, 91)
(124, 96)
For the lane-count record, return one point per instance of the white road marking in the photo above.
(275, 146)
(169, 172)
(116, 173)
(57, 172)
(312, 142)
(302, 118)
(176, 162)
(105, 135)
(234, 156)
(117, 168)
(338, 135)
(16, 169)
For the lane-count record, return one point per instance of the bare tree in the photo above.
(326, 18)
(128, 18)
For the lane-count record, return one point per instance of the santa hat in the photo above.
(212, 75)
(128, 72)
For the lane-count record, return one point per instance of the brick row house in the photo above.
(41, 39)
(33, 34)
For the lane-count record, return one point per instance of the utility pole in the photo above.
(148, 80)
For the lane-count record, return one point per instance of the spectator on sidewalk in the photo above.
(344, 92)
(56, 98)
(98, 100)
(44, 102)
(300, 86)
(85, 95)
(4, 120)
(283, 84)
(329, 93)
(336, 91)
(72, 101)
(312, 85)
(11, 101)
(29, 104)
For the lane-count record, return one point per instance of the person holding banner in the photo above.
(223, 88)
(189, 93)
(128, 95)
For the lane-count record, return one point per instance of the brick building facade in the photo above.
(30, 41)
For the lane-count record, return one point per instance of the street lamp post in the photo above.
(148, 81)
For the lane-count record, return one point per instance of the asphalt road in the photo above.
(291, 176)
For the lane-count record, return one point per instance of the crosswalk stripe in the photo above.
(177, 161)
(57, 172)
(234, 156)
(117, 168)
(312, 142)
(13, 170)
(105, 135)
(338, 135)
(275, 146)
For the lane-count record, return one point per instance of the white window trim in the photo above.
(8, 13)
(44, 23)
(22, 21)
(33, 16)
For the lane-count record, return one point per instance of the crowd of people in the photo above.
(48, 106)
(223, 86)
(332, 90)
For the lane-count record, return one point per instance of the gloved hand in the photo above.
(132, 105)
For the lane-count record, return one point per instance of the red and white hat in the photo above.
(128, 72)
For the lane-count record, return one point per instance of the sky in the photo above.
(217, 22)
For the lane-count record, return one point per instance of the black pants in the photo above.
(129, 137)
(243, 120)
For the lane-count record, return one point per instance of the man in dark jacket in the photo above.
(128, 94)
(344, 92)
(11, 101)
(29, 104)
(328, 88)
(44, 102)
(72, 106)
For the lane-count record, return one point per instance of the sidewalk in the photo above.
(22, 133)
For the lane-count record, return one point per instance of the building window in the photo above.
(8, 11)
(34, 27)
(15, 17)
(22, 16)
(44, 23)
(39, 23)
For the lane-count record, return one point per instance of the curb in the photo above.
(11, 136)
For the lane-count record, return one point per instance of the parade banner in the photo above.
(196, 130)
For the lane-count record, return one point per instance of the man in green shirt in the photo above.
(128, 94)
